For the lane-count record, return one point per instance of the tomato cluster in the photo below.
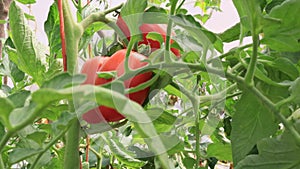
(116, 63)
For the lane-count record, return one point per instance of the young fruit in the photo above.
(114, 63)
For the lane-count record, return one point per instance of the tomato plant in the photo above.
(68, 105)
(114, 64)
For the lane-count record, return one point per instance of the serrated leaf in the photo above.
(30, 59)
(52, 30)
(284, 36)
(63, 80)
(38, 136)
(275, 153)
(251, 123)
(132, 14)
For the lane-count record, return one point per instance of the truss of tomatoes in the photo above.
(116, 63)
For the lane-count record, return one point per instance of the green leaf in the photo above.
(132, 14)
(19, 154)
(63, 80)
(10, 69)
(250, 14)
(107, 75)
(194, 28)
(155, 36)
(52, 30)
(251, 123)
(161, 16)
(27, 1)
(123, 155)
(19, 115)
(38, 136)
(295, 90)
(284, 36)
(220, 151)
(162, 120)
(30, 58)
(273, 4)
(19, 98)
(6, 108)
(232, 33)
(276, 153)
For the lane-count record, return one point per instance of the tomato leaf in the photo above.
(284, 35)
(295, 90)
(27, 1)
(220, 151)
(161, 16)
(277, 153)
(30, 58)
(155, 36)
(251, 123)
(19, 98)
(63, 80)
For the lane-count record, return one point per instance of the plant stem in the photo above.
(62, 34)
(251, 68)
(169, 31)
(73, 32)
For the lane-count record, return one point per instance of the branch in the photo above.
(98, 17)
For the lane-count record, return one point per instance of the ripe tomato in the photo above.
(114, 63)
(145, 29)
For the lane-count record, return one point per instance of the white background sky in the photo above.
(219, 22)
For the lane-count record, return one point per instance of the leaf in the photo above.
(19, 115)
(251, 123)
(220, 151)
(161, 16)
(295, 90)
(273, 4)
(27, 1)
(6, 108)
(19, 154)
(276, 153)
(155, 36)
(107, 74)
(132, 14)
(194, 28)
(52, 30)
(30, 59)
(19, 98)
(63, 80)
(284, 36)
(232, 33)
(250, 14)
(162, 120)
(10, 69)
(123, 155)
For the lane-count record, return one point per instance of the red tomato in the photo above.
(115, 62)
(145, 29)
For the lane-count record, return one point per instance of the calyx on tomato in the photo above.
(114, 63)
(145, 29)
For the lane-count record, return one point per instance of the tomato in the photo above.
(145, 29)
(114, 63)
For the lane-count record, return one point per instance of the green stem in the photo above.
(169, 31)
(72, 160)
(128, 51)
(195, 103)
(284, 101)
(251, 68)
